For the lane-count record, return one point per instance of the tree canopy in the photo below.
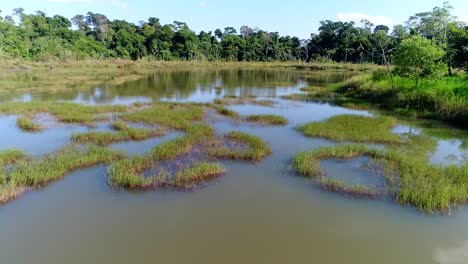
(39, 36)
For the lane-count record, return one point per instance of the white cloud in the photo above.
(117, 3)
(357, 17)
(203, 4)
(464, 19)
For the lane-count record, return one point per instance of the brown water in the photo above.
(256, 213)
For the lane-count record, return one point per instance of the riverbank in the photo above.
(153, 64)
(445, 98)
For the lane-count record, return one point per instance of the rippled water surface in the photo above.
(256, 213)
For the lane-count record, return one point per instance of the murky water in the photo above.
(256, 213)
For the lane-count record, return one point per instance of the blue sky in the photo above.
(292, 17)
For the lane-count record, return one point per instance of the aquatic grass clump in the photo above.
(256, 148)
(273, 120)
(98, 138)
(243, 100)
(27, 125)
(55, 166)
(175, 116)
(129, 174)
(63, 111)
(412, 179)
(9, 192)
(196, 134)
(308, 163)
(353, 190)
(138, 134)
(354, 128)
(199, 172)
(222, 110)
(8, 158)
(124, 133)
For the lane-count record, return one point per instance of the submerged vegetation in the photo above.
(353, 128)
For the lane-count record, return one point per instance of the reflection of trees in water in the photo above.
(183, 84)
(326, 77)
(180, 84)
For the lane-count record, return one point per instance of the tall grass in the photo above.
(55, 166)
(8, 157)
(444, 98)
(199, 172)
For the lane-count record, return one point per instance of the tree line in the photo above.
(41, 37)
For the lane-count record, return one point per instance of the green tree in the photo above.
(417, 57)
(436, 25)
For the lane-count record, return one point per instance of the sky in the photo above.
(293, 17)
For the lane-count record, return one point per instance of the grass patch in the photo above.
(196, 134)
(416, 182)
(128, 174)
(199, 172)
(268, 120)
(224, 111)
(444, 98)
(124, 133)
(354, 128)
(27, 125)
(354, 190)
(64, 112)
(98, 138)
(11, 192)
(243, 100)
(175, 116)
(8, 157)
(55, 166)
(256, 148)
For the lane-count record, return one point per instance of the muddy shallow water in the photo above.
(256, 213)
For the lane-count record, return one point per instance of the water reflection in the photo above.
(202, 85)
